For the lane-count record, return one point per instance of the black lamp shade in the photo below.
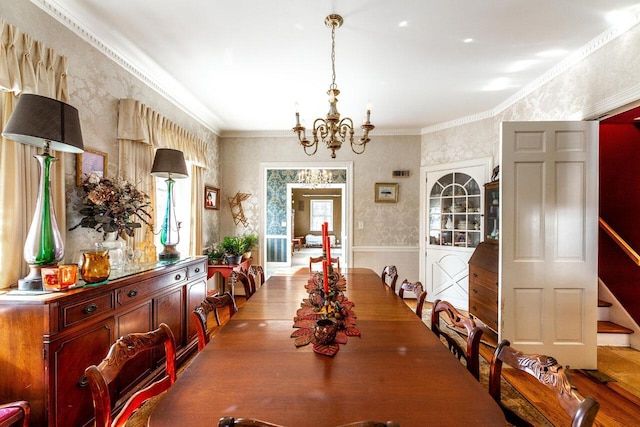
(169, 163)
(38, 119)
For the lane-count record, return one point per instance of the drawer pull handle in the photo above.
(197, 269)
(84, 382)
(475, 275)
(178, 277)
(132, 293)
(475, 308)
(475, 291)
(90, 308)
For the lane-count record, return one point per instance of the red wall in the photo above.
(620, 207)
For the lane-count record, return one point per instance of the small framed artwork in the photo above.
(211, 198)
(386, 192)
(91, 161)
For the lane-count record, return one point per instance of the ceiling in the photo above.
(242, 65)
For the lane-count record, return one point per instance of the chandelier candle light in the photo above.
(169, 164)
(49, 124)
(332, 130)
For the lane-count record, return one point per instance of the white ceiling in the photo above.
(241, 65)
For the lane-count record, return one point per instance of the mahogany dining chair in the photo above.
(14, 412)
(239, 276)
(390, 276)
(315, 260)
(255, 273)
(417, 289)
(582, 411)
(123, 350)
(471, 350)
(211, 304)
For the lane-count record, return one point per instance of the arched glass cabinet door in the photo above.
(455, 211)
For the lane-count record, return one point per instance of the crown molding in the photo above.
(573, 59)
(188, 104)
(290, 134)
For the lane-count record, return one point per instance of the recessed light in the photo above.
(403, 24)
(469, 40)
(496, 84)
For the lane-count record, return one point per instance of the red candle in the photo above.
(325, 277)
(327, 243)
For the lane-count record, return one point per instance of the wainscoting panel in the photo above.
(405, 258)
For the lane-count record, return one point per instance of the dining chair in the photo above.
(251, 422)
(417, 289)
(315, 260)
(211, 304)
(254, 273)
(470, 352)
(127, 347)
(239, 276)
(390, 276)
(13, 412)
(549, 373)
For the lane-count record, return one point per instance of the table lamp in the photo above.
(169, 164)
(49, 124)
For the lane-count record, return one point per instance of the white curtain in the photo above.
(26, 66)
(141, 131)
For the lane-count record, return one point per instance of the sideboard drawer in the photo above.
(135, 291)
(197, 269)
(80, 311)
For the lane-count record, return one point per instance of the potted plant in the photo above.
(215, 256)
(248, 243)
(233, 248)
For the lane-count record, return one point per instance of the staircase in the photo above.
(610, 333)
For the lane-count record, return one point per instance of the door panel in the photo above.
(548, 248)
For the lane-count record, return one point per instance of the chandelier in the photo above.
(315, 178)
(332, 130)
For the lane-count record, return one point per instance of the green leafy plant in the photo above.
(232, 246)
(249, 242)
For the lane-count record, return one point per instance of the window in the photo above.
(182, 200)
(321, 211)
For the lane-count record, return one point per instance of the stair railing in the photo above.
(626, 248)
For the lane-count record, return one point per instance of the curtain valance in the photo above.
(137, 122)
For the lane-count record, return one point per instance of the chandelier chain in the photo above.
(333, 57)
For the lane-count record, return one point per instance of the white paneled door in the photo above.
(453, 227)
(548, 240)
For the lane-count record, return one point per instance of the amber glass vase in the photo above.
(95, 265)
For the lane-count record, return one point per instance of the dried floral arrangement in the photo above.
(113, 206)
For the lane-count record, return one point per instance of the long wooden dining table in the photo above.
(396, 370)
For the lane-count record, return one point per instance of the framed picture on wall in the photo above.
(211, 198)
(386, 192)
(91, 161)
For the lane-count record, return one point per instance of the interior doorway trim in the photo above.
(347, 250)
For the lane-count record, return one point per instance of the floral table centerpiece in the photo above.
(113, 206)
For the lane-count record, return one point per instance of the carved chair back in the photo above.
(417, 289)
(315, 260)
(548, 372)
(256, 275)
(390, 276)
(471, 351)
(239, 276)
(211, 304)
(124, 349)
(14, 412)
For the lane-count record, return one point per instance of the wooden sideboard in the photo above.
(48, 339)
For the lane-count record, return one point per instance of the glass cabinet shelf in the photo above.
(455, 217)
